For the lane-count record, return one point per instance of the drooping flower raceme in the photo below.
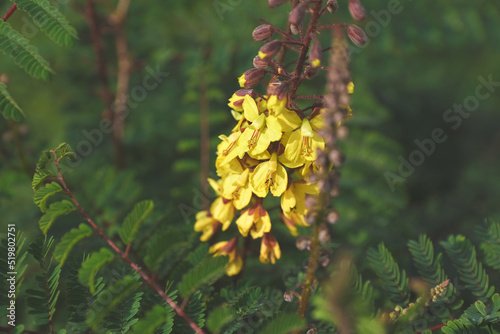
(270, 152)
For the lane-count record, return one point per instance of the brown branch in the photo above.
(98, 44)
(151, 282)
(117, 20)
(9, 12)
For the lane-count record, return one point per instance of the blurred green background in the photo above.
(417, 65)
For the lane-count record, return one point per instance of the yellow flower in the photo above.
(227, 150)
(292, 219)
(237, 187)
(223, 210)
(233, 266)
(261, 131)
(275, 105)
(207, 224)
(254, 220)
(302, 145)
(269, 175)
(269, 249)
(350, 87)
(295, 196)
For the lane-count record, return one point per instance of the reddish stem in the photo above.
(432, 329)
(152, 283)
(9, 12)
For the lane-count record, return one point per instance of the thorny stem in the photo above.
(151, 282)
(9, 12)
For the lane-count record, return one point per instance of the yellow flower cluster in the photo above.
(270, 151)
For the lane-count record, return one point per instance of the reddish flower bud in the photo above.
(276, 3)
(269, 50)
(251, 77)
(316, 52)
(356, 35)
(288, 296)
(259, 63)
(297, 14)
(310, 72)
(357, 10)
(262, 32)
(332, 6)
(238, 97)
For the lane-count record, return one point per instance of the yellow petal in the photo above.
(274, 128)
(216, 247)
(250, 109)
(289, 120)
(293, 146)
(280, 181)
(215, 186)
(258, 179)
(288, 200)
(306, 129)
(318, 122)
(245, 222)
(224, 213)
(234, 267)
(244, 197)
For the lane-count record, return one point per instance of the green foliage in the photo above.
(42, 194)
(9, 107)
(134, 219)
(463, 256)
(69, 240)
(91, 265)
(50, 20)
(42, 300)
(54, 211)
(283, 324)
(490, 233)
(110, 298)
(23, 53)
(393, 280)
(206, 272)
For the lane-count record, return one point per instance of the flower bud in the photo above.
(324, 234)
(259, 63)
(251, 77)
(356, 35)
(310, 72)
(297, 14)
(315, 54)
(294, 29)
(302, 243)
(342, 132)
(357, 10)
(269, 50)
(288, 296)
(262, 32)
(332, 217)
(276, 3)
(332, 6)
(236, 101)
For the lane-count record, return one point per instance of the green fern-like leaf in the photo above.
(42, 300)
(90, 267)
(207, 272)
(109, 298)
(490, 235)
(195, 309)
(134, 219)
(44, 193)
(161, 245)
(123, 315)
(219, 317)
(463, 256)
(69, 240)
(54, 211)
(284, 324)
(9, 107)
(39, 177)
(50, 20)
(428, 266)
(393, 280)
(153, 320)
(23, 53)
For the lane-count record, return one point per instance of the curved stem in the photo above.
(151, 282)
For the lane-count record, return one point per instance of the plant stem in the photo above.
(152, 283)
(9, 12)
(304, 49)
